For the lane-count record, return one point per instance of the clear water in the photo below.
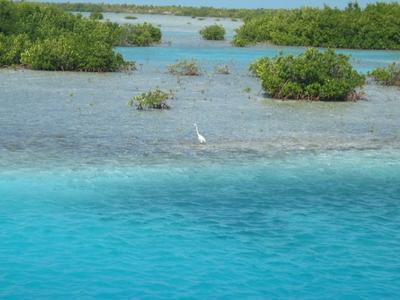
(287, 199)
(306, 226)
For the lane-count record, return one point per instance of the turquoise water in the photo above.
(312, 226)
(288, 200)
(363, 61)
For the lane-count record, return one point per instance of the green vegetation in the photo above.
(254, 66)
(375, 27)
(222, 69)
(139, 35)
(96, 15)
(184, 68)
(387, 76)
(313, 75)
(130, 17)
(167, 9)
(11, 48)
(213, 32)
(41, 37)
(153, 99)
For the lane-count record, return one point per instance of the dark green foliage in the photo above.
(139, 35)
(213, 32)
(184, 68)
(96, 15)
(43, 37)
(375, 27)
(11, 48)
(153, 99)
(387, 76)
(313, 75)
(65, 53)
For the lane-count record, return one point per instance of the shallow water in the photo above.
(287, 199)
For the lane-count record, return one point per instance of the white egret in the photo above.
(202, 139)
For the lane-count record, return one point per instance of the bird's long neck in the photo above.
(197, 130)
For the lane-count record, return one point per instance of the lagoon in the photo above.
(287, 199)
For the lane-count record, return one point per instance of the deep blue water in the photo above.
(304, 226)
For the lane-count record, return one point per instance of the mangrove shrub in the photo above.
(375, 27)
(389, 75)
(11, 48)
(313, 75)
(213, 32)
(153, 99)
(144, 34)
(184, 67)
(42, 37)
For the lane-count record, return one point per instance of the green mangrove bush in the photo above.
(213, 32)
(142, 35)
(43, 37)
(11, 48)
(313, 75)
(184, 67)
(153, 99)
(375, 27)
(389, 75)
(257, 64)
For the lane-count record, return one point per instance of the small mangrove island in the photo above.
(213, 32)
(44, 37)
(184, 67)
(153, 99)
(377, 26)
(141, 35)
(313, 75)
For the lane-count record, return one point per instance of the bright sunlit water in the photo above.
(305, 226)
(288, 200)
